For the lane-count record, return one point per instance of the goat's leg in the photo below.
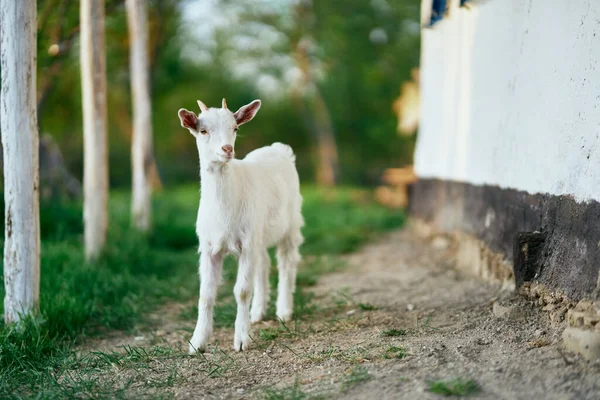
(210, 276)
(243, 292)
(288, 258)
(260, 298)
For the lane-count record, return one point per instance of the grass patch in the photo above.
(137, 273)
(454, 387)
(344, 219)
(268, 334)
(355, 376)
(394, 332)
(289, 393)
(367, 307)
(352, 355)
(427, 323)
(395, 352)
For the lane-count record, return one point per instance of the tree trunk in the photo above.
(328, 154)
(21, 176)
(327, 164)
(95, 151)
(142, 159)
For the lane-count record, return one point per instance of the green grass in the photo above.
(288, 393)
(356, 376)
(367, 307)
(426, 325)
(268, 334)
(454, 387)
(395, 352)
(394, 332)
(139, 272)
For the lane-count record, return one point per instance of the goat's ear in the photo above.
(188, 120)
(247, 112)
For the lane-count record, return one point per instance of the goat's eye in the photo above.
(235, 129)
(204, 131)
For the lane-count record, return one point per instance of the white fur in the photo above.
(246, 207)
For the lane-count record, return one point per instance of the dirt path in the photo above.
(444, 329)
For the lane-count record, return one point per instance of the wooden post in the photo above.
(18, 117)
(95, 146)
(142, 159)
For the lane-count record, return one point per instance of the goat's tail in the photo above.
(285, 150)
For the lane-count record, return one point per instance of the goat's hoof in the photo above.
(241, 344)
(196, 349)
(256, 317)
(285, 316)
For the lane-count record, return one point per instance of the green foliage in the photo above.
(394, 332)
(343, 221)
(364, 78)
(367, 307)
(358, 78)
(356, 376)
(137, 273)
(79, 298)
(395, 352)
(454, 387)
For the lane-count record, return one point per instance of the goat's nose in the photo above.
(227, 149)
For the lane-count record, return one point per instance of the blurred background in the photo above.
(329, 73)
(338, 82)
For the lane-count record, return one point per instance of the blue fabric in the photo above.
(437, 10)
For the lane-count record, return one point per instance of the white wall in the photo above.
(511, 96)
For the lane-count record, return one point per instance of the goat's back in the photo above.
(280, 181)
(277, 151)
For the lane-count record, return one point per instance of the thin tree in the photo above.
(327, 167)
(142, 159)
(20, 151)
(95, 146)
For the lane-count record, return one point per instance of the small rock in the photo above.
(507, 311)
(539, 332)
(240, 390)
(582, 341)
(410, 307)
(440, 243)
(591, 319)
(584, 305)
(482, 342)
(558, 315)
(549, 307)
(350, 312)
(549, 299)
(515, 339)
(575, 318)
(138, 338)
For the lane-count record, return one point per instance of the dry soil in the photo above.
(445, 327)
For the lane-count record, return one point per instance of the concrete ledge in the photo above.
(472, 256)
(549, 240)
(547, 247)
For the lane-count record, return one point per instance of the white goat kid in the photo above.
(246, 207)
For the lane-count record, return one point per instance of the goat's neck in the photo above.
(217, 182)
